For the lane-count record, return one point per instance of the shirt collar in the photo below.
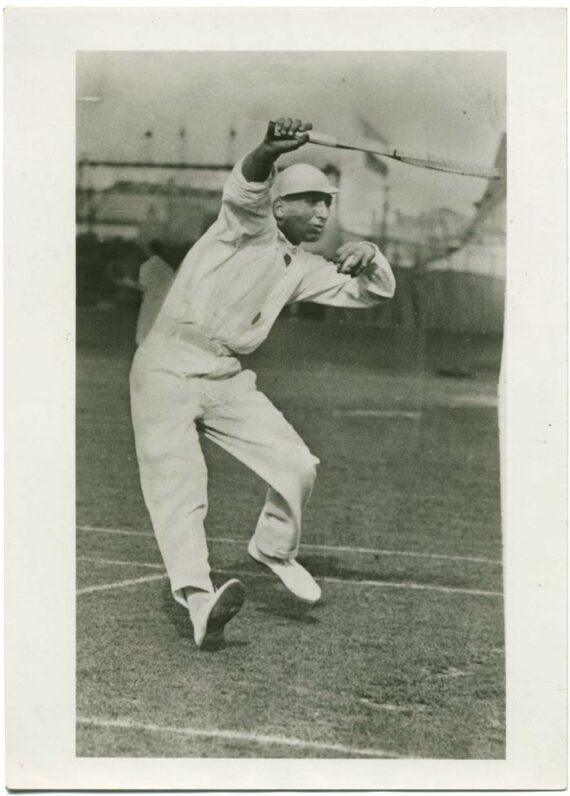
(282, 239)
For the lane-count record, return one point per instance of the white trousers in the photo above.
(167, 410)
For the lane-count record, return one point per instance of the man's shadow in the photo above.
(268, 597)
(265, 596)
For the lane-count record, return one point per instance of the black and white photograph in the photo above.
(289, 301)
(298, 261)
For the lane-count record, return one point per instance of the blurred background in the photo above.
(157, 133)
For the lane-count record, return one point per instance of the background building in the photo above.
(465, 290)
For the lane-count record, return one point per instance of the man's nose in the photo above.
(322, 210)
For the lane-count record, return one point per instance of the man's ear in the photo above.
(279, 208)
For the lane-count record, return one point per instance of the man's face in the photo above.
(302, 216)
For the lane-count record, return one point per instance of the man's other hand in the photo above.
(354, 258)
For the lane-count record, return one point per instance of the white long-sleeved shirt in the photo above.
(237, 278)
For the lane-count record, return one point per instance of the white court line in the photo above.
(118, 531)
(120, 561)
(490, 401)
(453, 401)
(234, 735)
(412, 585)
(120, 584)
(324, 579)
(405, 414)
(322, 547)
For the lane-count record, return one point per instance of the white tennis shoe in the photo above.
(211, 611)
(292, 575)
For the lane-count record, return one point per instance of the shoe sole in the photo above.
(253, 554)
(225, 608)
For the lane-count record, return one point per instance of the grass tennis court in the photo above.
(405, 655)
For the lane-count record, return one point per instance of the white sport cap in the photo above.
(302, 178)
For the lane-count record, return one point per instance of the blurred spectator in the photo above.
(154, 281)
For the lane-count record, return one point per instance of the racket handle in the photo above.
(322, 139)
